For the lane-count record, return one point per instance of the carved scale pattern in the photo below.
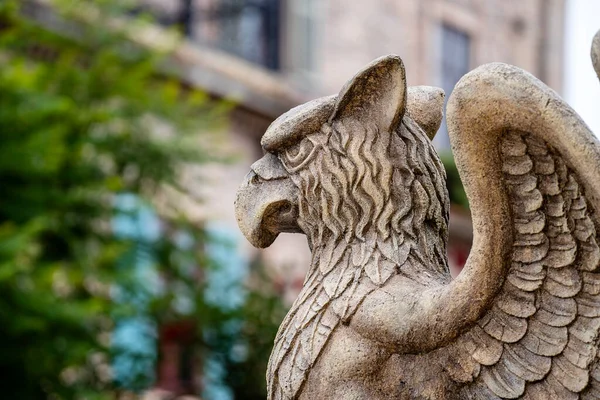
(539, 339)
(317, 311)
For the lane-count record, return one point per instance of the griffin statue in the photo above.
(379, 316)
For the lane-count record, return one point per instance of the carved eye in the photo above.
(297, 154)
(253, 178)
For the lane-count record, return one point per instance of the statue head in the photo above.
(349, 166)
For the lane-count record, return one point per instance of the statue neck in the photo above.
(380, 257)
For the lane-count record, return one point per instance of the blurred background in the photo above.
(125, 128)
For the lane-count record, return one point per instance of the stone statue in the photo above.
(379, 316)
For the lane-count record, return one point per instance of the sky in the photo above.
(581, 85)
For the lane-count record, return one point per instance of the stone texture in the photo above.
(596, 53)
(379, 316)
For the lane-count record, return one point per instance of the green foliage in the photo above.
(453, 182)
(84, 117)
(245, 353)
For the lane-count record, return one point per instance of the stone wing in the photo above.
(531, 170)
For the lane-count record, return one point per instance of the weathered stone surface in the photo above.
(424, 106)
(379, 316)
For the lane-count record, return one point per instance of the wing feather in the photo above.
(502, 326)
(539, 337)
(502, 381)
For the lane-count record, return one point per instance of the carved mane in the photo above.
(372, 185)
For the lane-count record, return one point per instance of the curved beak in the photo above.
(267, 202)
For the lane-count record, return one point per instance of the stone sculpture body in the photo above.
(379, 316)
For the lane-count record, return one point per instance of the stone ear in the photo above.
(376, 94)
(425, 105)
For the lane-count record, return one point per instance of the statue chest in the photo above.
(351, 367)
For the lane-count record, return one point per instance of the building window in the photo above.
(249, 29)
(302, 33)
(455, 61)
